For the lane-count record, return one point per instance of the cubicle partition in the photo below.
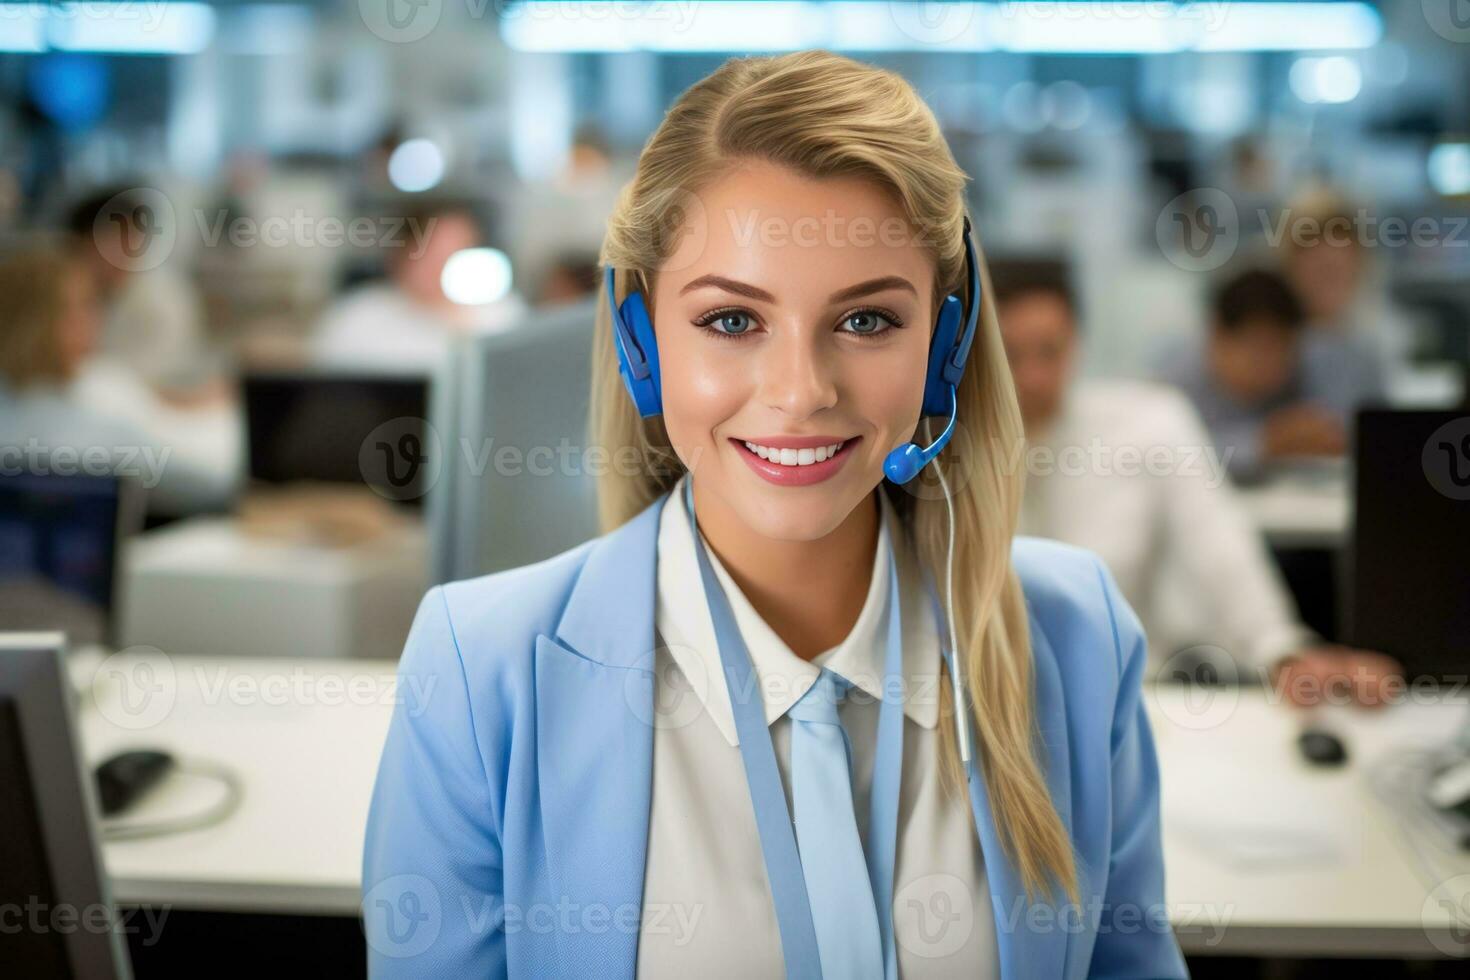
(516, 483)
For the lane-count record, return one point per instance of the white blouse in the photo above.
(707, 907)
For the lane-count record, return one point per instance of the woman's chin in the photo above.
(796, 513)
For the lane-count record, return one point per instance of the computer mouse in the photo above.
(1321, 748)
(124, 777)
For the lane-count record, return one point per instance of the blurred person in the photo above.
(1171, 531)
(152, 318)
(1250, 176)
(63, 408)
(407, 323)
(1354, 336)
(573, 276)
(10, 199)
(1247, 380)
(564, 217)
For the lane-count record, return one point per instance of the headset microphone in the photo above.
(905, 462)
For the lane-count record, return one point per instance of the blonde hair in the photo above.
(1327, 210)
(823, 115)
(32, 304)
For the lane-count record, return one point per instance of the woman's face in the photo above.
(1326, 277)
(794, 317)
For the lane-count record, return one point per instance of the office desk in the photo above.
(308, 763)
(206, 586)
(1230, 767)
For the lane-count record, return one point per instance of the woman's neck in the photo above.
(809, 592)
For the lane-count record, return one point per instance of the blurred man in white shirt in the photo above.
(1127, 470)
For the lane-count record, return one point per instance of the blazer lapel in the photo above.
(1031, 935)
(594, 735)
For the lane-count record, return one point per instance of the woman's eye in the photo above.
(866, 322)
(729, 322)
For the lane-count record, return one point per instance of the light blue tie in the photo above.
(843, 912)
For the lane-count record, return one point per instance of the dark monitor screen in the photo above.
(1411, 540)
(334, 428)
(59, 538)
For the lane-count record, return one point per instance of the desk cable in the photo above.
(118, 828)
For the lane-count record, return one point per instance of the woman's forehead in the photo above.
(766, 222)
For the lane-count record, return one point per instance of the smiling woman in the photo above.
(730, 705)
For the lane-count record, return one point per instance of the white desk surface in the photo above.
(1300, 513)
(305, 744)
(1230, 768)
(308, 763)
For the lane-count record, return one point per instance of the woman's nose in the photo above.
(798, 377)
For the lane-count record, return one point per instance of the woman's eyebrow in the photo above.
(730, 286)
(873, 286)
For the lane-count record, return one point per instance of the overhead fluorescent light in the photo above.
(107, 28)
(867, 25)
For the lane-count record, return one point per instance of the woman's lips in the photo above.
(798, 475)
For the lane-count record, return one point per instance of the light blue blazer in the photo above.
(509, 822)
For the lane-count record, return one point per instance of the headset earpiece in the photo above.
(946, 329)
(637, 349)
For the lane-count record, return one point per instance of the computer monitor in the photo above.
(1411, 540)
(50, 866)
(61, 541)
(330, 427)
(518, 484)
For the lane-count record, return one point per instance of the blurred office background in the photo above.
(295, 315)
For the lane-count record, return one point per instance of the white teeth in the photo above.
(795, 457)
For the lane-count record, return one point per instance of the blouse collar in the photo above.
(686, 630)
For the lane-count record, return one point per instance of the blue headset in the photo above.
(948, 351)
